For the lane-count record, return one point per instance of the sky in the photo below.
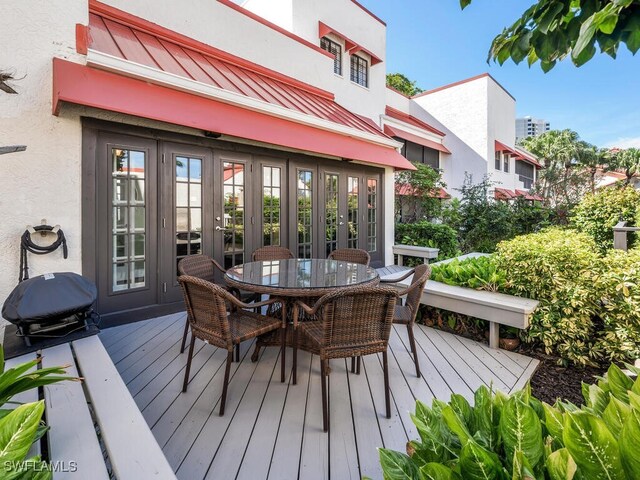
(435, 43)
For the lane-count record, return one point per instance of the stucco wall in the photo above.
(462, 161)
(349, 19)
(44, 181)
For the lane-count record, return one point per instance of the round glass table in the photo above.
(299, 277)
(304, 279)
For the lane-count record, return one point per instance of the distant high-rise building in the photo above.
(530, 127)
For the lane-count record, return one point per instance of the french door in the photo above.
(158, 201)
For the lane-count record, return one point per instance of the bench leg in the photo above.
(494, 335)
(400, 260)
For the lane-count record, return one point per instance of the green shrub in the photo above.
(617, 283)
(597, 214)
(479, 273)
(556, 266)
(518, 437)
(426, 234)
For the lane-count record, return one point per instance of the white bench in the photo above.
(74, 448)
(497, 308)
(426, 253)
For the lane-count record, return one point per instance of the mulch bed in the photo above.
(552, 381)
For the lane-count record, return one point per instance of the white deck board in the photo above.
(274, 430)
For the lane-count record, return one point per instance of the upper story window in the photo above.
(506, 164)
(419, 154)
(359, 70)
(336, 50)
(498, 164)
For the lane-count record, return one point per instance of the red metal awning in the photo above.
(349, 45)
(75, 83)
(407, 190)
(411, 120)
(396, 132)
(278, 100)
(504, 194)
(519, 155)
(525, 194)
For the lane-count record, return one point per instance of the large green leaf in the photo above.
(397, 466)
(619, 383)
(437, 471)
(615, 415)
(521, 468)
(521, 430)
(554, 421)
(595, 398)
(36, 470)
(477, 463)
(592, 446)
(487, 416)
(630, 445)
(456, 425)
(560, 465)
(634, 400)
(17, 431)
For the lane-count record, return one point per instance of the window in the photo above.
(188, 185)
(506, 163)
(498, 164)
(359, 70)
(305, 213)
(336, 50)
(418, 154)
(353, 234)
(525, 172)
(372, 214)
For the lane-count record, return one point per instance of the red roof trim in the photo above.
(96, 88)
(369, 12)
(525, 194)
(82, 39)
(461, 82)
(410, 119)
(504, 194)
(398, 91)
(404, 189)
(273, 26)
(349, 45)
(396, 132)
(519, 156)
(138, 23)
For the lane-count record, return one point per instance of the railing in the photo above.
(620, 232)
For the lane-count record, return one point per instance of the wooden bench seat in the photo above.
(74, 448)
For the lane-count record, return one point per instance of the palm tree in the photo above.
(628, 161)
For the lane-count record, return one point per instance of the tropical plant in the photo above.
(479, 273)
(626, 161)
(598, 213)
(556, 267)
(551, 30)
(417, 193)
(564, 180)
(426, 234)
(518, 437)
(401, 83)
(22, 426)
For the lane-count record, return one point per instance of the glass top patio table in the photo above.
(309, 277)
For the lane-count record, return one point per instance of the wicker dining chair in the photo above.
(351, 255)
(271, 253)
(406, 314)
(213, 321)
(353, 321)
(204, 267)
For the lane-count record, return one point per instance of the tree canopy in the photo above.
(399, 82)
(551, 30)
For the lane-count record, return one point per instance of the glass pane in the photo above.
(120, 161)
(195, 195)
(195, 170)
(120, 247)
(138, 219)
(137, 273)
(120, 276)
(196, 220)
(182, 219)
(138, 245)
(120, 191)
(182, 169)
(120, 222)
(182, 194)
(137, 191)
(136, 164)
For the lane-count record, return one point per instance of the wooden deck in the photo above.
(274, 430)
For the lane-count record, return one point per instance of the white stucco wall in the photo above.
(462, 161)
(349, 19)
(44, 181)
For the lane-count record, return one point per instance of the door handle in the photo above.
(341, 223)
(220, 229)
